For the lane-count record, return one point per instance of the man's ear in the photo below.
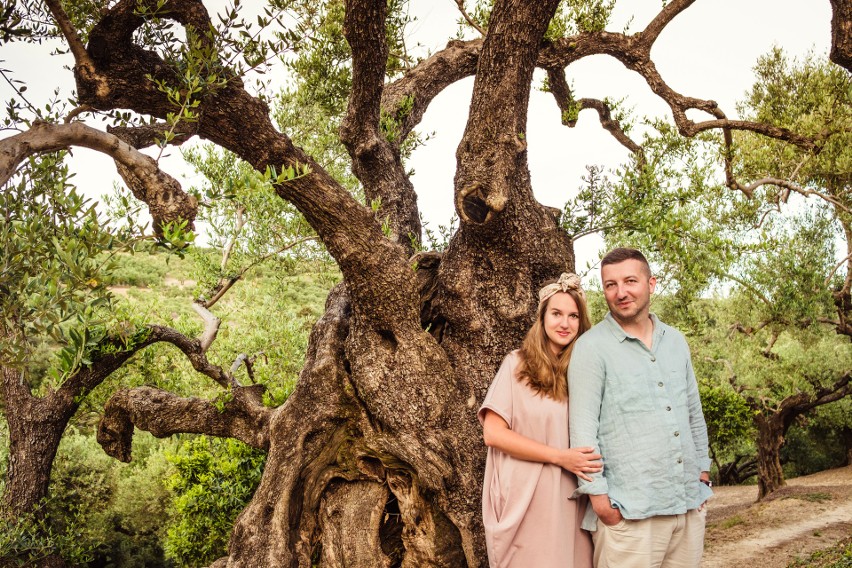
(652, 283)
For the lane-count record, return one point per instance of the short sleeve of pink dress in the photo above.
(529, 516)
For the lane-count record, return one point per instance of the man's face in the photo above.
(627, 288)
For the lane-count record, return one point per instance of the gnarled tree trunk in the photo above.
(770, 439)
(35, 430)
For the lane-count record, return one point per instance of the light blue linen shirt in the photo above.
(640, 409)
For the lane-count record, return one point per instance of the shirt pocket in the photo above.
(677, 387)
(631, 394)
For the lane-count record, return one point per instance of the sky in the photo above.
(707, 52)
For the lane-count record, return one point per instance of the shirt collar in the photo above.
(621, 335)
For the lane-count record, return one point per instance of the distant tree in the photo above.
(375, 459)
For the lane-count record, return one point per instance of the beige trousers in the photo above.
(668, 541)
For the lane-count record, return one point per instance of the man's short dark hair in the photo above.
(621, 254)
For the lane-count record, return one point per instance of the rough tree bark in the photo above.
(770, 438)
(376, 457)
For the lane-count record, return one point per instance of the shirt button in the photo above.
(653, 358)
(660, 384)
(677, 434)
(679, 460)
(669, 408)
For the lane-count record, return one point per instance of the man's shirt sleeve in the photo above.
(585, 393)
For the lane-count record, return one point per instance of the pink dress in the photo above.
(530, 519)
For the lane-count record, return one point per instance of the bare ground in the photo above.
(808, 514)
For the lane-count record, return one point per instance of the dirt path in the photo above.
(810, 513)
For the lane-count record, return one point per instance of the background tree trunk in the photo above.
(35, 430)
(770, 438)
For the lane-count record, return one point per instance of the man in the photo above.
(634, 398)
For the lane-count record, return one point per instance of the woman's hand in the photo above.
(580, 461)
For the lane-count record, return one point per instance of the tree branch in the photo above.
(146, 135)
(421, 84)
(372, 135)
(211, 326)
(562, 93)
(767, 351)
(166, 200)
(804, 402)
(732, 375)
(667, 14)
(78, 50)
(241, 416)
(347, 228)
(225, 284)
(77, 112)
(468, 19)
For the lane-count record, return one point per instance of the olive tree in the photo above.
(375, 459)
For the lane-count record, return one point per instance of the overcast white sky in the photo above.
(707, 52)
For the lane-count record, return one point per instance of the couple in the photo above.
(631, 395)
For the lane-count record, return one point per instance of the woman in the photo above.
(530, 517)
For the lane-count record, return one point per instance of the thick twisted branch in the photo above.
(161, 413)
(803, 402)
(163, 194)
(373, 141)
(459, 60)
(420, 85)
(347, 228)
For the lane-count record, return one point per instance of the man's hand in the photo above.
(604, 510)
(704, 478)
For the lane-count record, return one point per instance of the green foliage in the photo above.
(577, 16)
(53, 259)
(311, 126)
(816, 442)
(322, 66)
(29, 539)
(572, 17)
(727, 414)
(480, 13)
(214, 480)
(83, 483)
(144, 270)
(246, 219)
(99, 511)
(838, 555)
(389, 124)
(440, 240)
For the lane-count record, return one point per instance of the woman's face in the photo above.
(561, 321)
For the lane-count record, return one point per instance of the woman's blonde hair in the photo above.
(545, 372)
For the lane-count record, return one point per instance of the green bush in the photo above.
(213, 482)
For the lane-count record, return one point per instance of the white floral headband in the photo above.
(567, 281)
